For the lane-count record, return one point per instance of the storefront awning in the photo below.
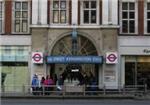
(75, 59)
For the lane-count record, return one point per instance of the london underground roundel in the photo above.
(37, 57)
(111, 58)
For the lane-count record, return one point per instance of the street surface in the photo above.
(73, 102)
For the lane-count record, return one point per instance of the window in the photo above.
(59, 11)
(128, 17)
(1, 16)
(147, 17)
(7, 50)
(20, 51)
(89, 12)
(21, 17)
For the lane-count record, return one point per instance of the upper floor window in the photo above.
(147, 17)
(128, 17)
(59, 11)
(1, 16)
(89, 12)
(21, 17)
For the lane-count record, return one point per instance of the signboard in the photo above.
(75, 59)
(37, 57)
(111, 57)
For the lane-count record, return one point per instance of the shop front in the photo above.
(137, 70)
(135, 62)
(14, 68)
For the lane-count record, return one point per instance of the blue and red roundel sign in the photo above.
(111, 58)
(37, 57)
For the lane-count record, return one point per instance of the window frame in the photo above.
(145, 17)
(97, 12)
(59, 9)
(20, 18)
(128, 19)
(3, 17)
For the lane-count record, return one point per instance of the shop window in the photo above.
(7, 50)
(21, 17)
(14, 53)
(59, 11)
(130, 73)
(14, 76)
(89, 11)
(137, 70)
(147, 17)
(20, 51)
(128, 17)
(1, 16)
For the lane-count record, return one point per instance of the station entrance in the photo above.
(75, 72)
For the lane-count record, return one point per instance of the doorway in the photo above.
(74, 74)
(84, 47)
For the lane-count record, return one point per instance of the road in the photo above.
(72, 102)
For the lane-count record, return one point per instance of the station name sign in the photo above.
(75, 59)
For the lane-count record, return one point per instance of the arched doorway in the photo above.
(84, 47)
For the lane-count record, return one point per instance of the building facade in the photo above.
(134, 43)
(105, 38)
(96, 33)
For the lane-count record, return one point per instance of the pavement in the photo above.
(73, 102)
(139, 96)
(110, 96)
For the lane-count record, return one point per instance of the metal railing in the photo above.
(54, 90)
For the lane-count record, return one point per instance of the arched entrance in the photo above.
(74, 71)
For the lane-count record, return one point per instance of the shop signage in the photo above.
(37, 57)
(111, 58)
(75, 59)
(146, 51)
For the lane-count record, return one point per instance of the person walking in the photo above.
(35, 85)
(60, 84)
(48, 83)
(42, 86)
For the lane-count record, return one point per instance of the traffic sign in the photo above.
(37, 57)
(111, 58)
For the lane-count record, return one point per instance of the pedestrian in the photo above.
(55, 78)
(60, 83)
(42, 85)
(35, 85)
(48, 83)
(93, 86)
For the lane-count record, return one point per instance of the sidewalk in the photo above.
(101, 96)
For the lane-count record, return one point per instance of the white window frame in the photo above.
(3, 17)
(145, 17)
(13, 16)
(51, 13)
(136, 16)
(82, 13)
